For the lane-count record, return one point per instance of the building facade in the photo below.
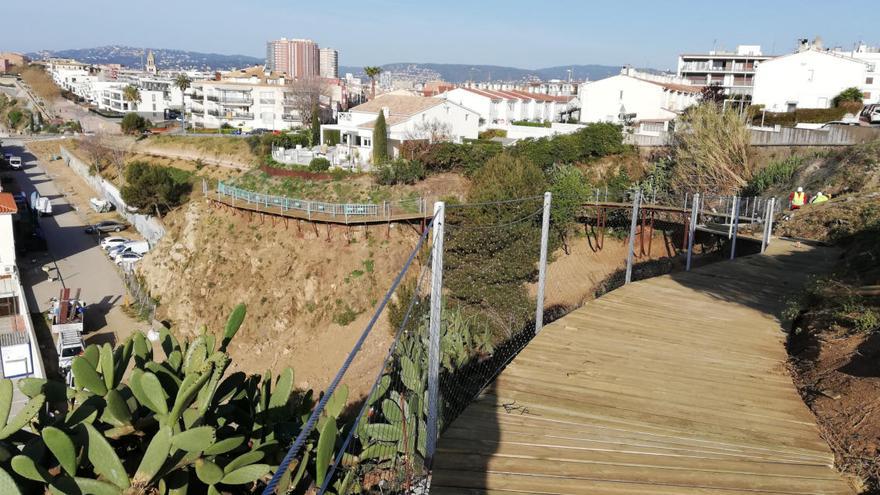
(809, 78)
(408, 118)
(502, 107)
(634, 97)
(297, 58)
(871, 56)
(329, 63)
(733, 71)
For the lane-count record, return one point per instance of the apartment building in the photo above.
(809, 78)
(634, 97)
(10, 59)
(19, 353)
(248, 100)
(329, 63)
(407, 118)
(733, 71)
(296, 58)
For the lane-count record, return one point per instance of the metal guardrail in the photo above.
(346, 212)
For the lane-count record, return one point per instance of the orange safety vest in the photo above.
(798, 198)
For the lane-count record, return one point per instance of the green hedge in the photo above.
(529, 123)
(803, 115)
(332, 137)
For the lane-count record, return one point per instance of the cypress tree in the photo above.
(380, 140)
(316, 126)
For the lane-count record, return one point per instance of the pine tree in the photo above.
(380, 140)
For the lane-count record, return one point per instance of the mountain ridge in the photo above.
(166, 58)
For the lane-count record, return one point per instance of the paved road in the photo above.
(80, 261)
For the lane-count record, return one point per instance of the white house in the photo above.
(637, 97)
(810, 78)
(408, 118)
(501, 107)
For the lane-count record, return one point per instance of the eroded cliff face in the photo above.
(308, 298)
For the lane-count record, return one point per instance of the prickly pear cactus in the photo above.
(170, 422)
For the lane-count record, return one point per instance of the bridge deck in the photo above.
(673, 385)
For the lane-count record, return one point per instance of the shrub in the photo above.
(802, 115)
(848, 95)
(154, 188)
(711, 147)
(400, 171)
(492, 133)
(775, 173)
(593, 141)
(14, 117)
(529, 123)
(446, 156)
(319, 164)
(332, 137)
(133, 123)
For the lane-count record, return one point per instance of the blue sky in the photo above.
(527, 34)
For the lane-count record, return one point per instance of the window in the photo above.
(866, 95)
(621, 94)
(869, 80)
(367, 142)
(810, 74)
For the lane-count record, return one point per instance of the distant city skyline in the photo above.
(512, 33)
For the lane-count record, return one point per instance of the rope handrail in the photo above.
(319, 408)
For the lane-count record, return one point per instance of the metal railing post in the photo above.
(632, 236)
(768, 225)
(734, 222)
(733, 201)
(542, 266)
(434, 332)
(692, 229)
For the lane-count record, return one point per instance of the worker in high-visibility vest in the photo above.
(819, 198)
(797, 199)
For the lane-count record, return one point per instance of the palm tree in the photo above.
(373, 72)
(183, 82)
(131, 94)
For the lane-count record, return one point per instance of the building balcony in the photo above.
(266, 102)
(289, 118)
(239, 102)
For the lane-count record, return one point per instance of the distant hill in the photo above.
(165, 58)
(458, 73)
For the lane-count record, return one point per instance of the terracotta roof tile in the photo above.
(399, 105)
(7, 203)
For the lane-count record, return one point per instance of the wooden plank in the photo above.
(675, 384)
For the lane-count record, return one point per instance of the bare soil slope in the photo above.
(308, 298)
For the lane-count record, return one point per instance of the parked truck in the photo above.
(67, 320)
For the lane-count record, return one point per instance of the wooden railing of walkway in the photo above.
(672, 385)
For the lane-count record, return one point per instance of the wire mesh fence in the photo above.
(142, 303)
(472, 294)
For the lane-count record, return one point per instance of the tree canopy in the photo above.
(152, 188)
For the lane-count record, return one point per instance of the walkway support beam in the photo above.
(542, 266)
(632, 235)
(734, 223)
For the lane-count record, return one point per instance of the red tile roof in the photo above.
(7, 203)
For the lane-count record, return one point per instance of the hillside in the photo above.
(459, 73)
(165, 58)
(834, 342)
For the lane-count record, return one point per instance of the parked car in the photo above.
(15, 162)
(127, 257)
(108, 243)
(874, 116)
(106, 226)
(139, 247)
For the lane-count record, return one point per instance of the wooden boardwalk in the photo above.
(673, 385)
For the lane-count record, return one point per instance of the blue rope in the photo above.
(313, 419)
(376, 383)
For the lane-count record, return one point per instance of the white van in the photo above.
(138, 247)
